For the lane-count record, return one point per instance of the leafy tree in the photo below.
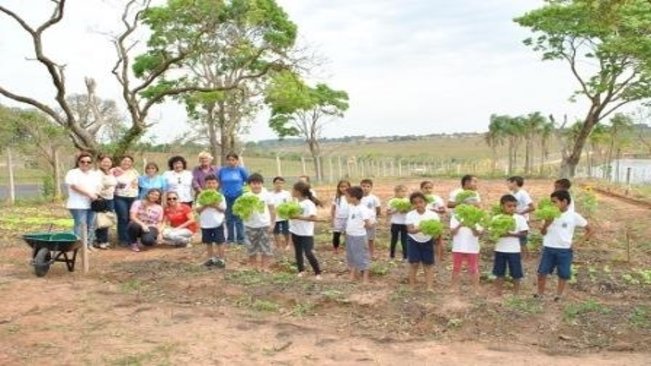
(532, 126)
(300, 110)
(495, 136)
(607, 48)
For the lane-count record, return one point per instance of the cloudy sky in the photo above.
(409, 66)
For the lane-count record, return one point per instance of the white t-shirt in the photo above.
(278, 198)
(453, 195)
(261, 219)
(357, 215)
(561, 231)
(181, 183)
(465, 241)
(414, 218)
(524, 200)
(89, 181)
(372, 203)
(511, 244)
(437, 204)
(210, 218)
(341, 207)
(302, 227)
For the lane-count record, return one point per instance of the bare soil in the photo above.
(161, 307)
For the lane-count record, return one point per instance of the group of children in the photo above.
(354, 216)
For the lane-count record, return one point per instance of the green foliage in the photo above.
(500, 225)
(466, 196)
(246, 205)
(586, 202)
(547, 210)
(431, 198)
(209, 197)
(288, 210)
(431, 227)
(572, 311)
(641, 317)
(495, 209)
(401, 205)
(526, 305)
(48, 189)
(469, 215)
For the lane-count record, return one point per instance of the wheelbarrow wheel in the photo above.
(42, 262)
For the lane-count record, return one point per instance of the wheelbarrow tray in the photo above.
(50, 247)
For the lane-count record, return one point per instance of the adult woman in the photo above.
(107, 193)
(199, 173)
(232, 178)
(83, 187)
(126, 192)
(150, 180)
(146, 220)
(179, 220)
(179, 179)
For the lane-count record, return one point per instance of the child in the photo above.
(302, 229)
(468, 182)
(525, 206)
(398, 226)
(372, 203)
(438, 206)
(557, 244)
(358, 220)
(465, 247)
(507, 248)
(339, 213)
(257, 227)
(306, 179)
(565, 185)
(281, 227)
(211, 219)
(420, 246)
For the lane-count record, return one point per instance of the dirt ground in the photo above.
(161, 307)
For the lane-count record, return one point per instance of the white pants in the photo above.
(174, 236)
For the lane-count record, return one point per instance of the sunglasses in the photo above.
(85, 161)
(172, 199)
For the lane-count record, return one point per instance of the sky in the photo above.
(409, 66)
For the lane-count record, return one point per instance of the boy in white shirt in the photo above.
(281, 228)
(465, 248)
(258, 227)
(211, 220)
(524, 208)
(359, 219)
(373, 203)
(420, 246)
(565, 185)
(468, 183)
(508, 248)
(557, 244)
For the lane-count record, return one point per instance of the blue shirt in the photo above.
(145, 183)
(232, 180)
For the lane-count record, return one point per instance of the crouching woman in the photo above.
(146, 223)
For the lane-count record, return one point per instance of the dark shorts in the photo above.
(524, 240)
(281, 227)
(420, 252)
(561, 259)
(512, 260)
(214, 235)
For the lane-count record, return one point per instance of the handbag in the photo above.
(106, 219)
(99, 205)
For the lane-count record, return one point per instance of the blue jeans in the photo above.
(101, 235)
(122, 207)
(234, 225)
(84, 217)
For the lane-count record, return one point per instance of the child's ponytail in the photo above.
(305, 191)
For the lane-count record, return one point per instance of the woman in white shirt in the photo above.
(84, 186)
(107, 193)
(179, 179)
(126, 193)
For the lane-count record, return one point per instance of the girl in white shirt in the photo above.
(302, 229)
(398, 226)
(339, 213)
(358, 220)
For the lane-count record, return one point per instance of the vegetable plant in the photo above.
(246, 205)
(431, 198)
(547, 210)
(469, 215)
(466, 196)
(209, 197)
(401, 205)
(500, 225)
(287, 210)
(431, 227)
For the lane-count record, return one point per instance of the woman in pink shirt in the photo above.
(146, 221)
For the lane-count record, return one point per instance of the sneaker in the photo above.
(318, 277)
(210, 262)
(103, 245)
(134, 247)
(219, 263)
(301, 274)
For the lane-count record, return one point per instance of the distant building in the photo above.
(640, 170)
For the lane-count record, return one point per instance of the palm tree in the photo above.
(531, 126)
(495, 135)
(620, 125)
(514, 131)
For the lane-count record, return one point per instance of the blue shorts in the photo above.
(558, 258)
(214, 235)
(512, 260)
(281, 227)
(420, 252)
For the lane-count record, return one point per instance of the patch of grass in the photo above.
(641, 317)
(454, 323)
(303, 309)
(524, 305)
(247, 277)
(380, 269)
(133, 285)
(283, 278)
(258, 304)
(160, 355)
(333, 295)
(572, 311)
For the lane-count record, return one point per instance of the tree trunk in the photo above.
(56, 174)
(569, 163)
(212, 133)
(527, 155)
(12, 186)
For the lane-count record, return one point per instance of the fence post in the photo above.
(279, 167)
(628, 179)
(348, 169)
(331, 170)
(84, 247)
(340, 168)
(400, 167)
(303, 165)
(319, 169)
(363, 169)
